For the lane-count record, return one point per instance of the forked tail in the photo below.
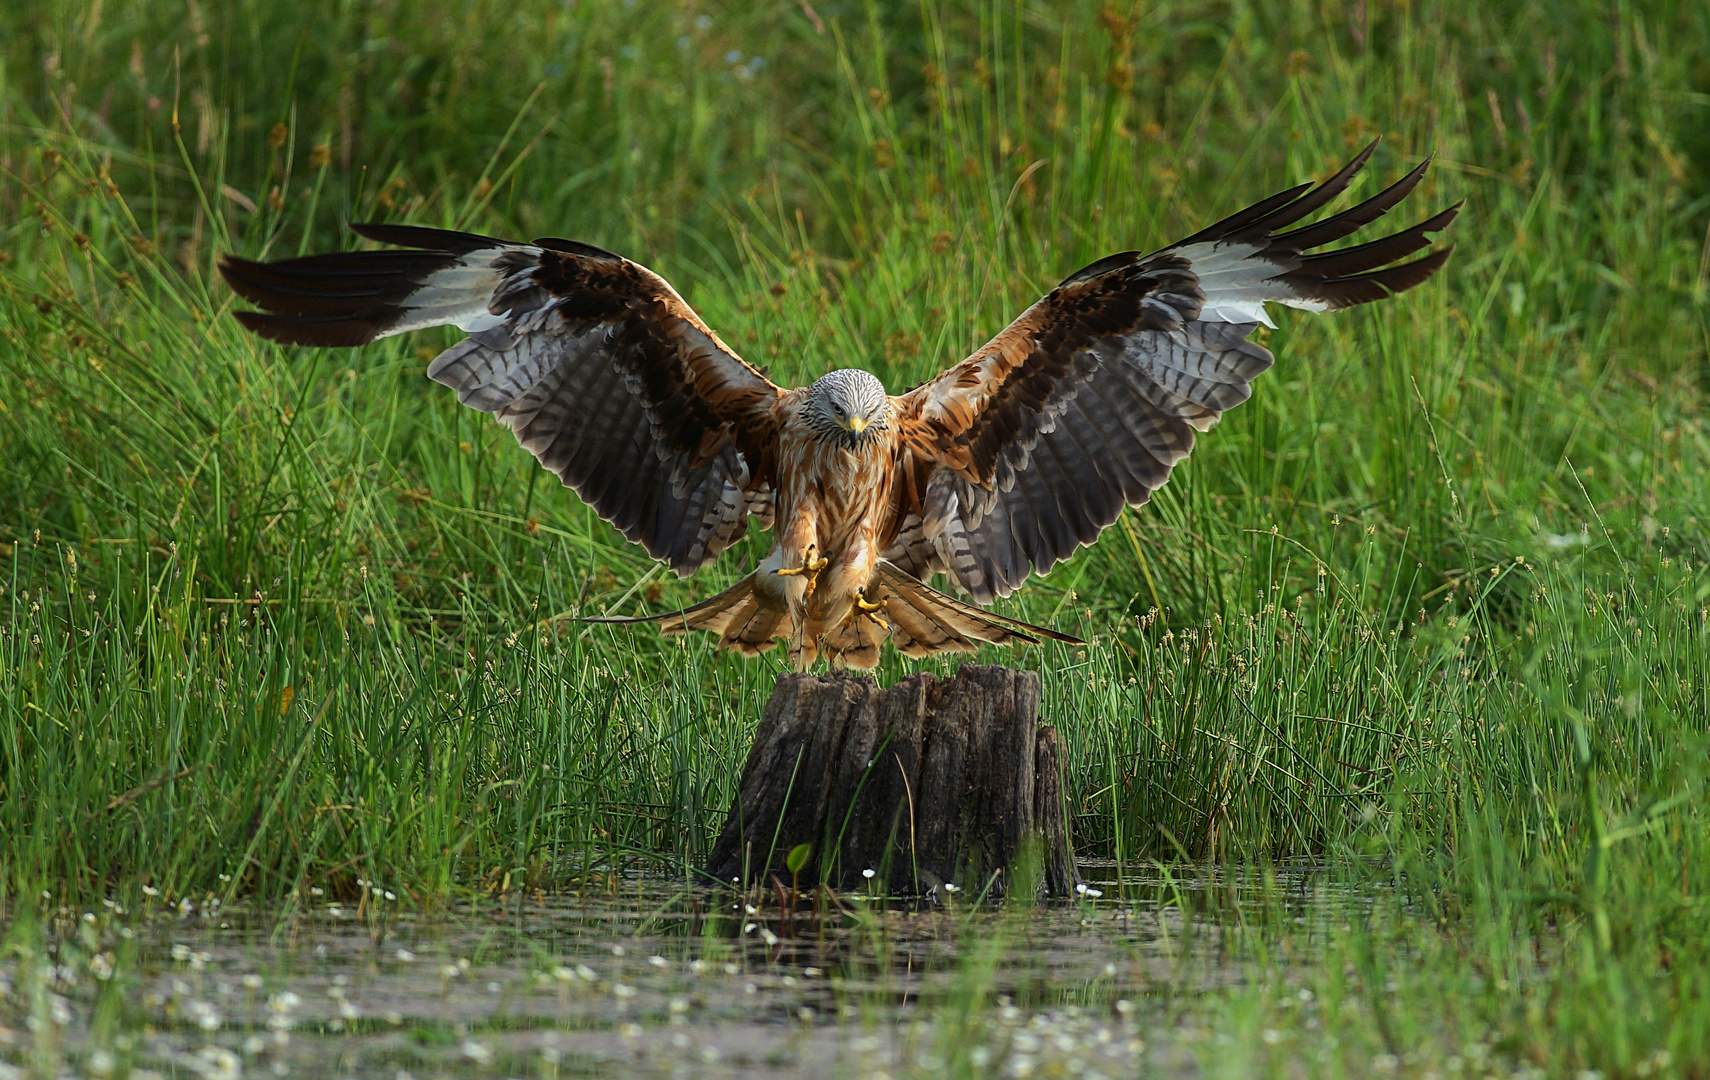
(738, 615)
(917, 618)
(924, 621)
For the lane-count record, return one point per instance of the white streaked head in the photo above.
(849, 405)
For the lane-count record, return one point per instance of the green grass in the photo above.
(1432, 606)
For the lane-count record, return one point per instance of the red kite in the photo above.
(999, 468)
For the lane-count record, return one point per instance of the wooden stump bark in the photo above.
(932, 781)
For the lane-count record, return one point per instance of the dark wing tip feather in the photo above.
(426, 239)
(1238, 222)
(336, 331)
(1284, 208)
(1369, 256)
(576, 247)
(340, 299)
(1317, 198)
(1380, 284)
(1360, 214)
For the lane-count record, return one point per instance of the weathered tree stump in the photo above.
(929, 782)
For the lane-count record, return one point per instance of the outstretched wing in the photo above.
(595, 362)
(1031, 446)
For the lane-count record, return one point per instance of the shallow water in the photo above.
(647, 979)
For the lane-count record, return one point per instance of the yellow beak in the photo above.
(857, 424)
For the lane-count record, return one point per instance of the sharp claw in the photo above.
(812, 564)
(865, 605)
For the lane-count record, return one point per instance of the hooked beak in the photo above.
(857, 424)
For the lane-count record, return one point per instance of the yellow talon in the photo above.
(812, 564)
(862, 603)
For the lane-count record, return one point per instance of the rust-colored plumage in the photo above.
(998, 469)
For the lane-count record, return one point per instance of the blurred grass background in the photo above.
(1436, 594)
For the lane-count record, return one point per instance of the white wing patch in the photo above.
(460, 295)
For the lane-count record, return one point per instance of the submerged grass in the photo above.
(1431, 608)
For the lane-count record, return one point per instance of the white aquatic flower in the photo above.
(586, 973)
(623, 990)
(731, 969)
(617, 950)
(218, 1063)
(405, 956)
(771, 938)
(181, 952)
(868, 873)
(478, 1052)
(659, 961)
(205, 1015)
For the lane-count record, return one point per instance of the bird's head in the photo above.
(848, 405)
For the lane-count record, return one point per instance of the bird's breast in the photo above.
(844, 488)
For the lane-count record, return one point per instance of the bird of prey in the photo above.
(998, 468)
